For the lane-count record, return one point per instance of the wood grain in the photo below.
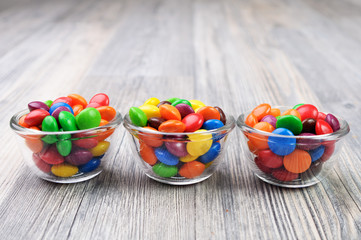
(231, 53)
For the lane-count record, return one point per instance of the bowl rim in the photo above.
(228, 127)
(343, 131)
(14, 125)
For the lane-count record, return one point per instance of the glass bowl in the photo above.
(311, 158)
(47, 155)
(165, 157)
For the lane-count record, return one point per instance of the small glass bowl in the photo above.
(155, 151)
(323, 150)
(89, 149)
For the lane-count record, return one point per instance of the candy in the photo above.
(100, 98)
(308, 125)
(78, 100)
(138, 117)
(317, 153)
(251, 120)
(307, 111)
(107, 112)
(209, 113)
(64, 147)
(188, 158)
(200, 143)
(152, 101)
(49, 124)
(164, 156)
(57, 111)
(333, 122)
(193, 122)
(292, 112)
(153, 140)
(147, 154)
(68, 122)
(35, 117)
(35, 145)
(279, 145)
(100, 149)
(150, 110)
(90, 166)
(48, 103)
(164, 170)
(181, 101)
(79, 156)
(223, 117)
(298, 161)
(169, 112)
(164, 102)
(212, 124)
(60, 104)
(307, 143)
(261, 110)
(191, 169)
(184, 109)
(291, 123)
(322, 127)
(66, 100)
(270, 119)
(37, 105)
(211, 154)
(269, 159)
(88, 118)
(275, 112)
(172, 126)
(284, 176)
(64, 170)
(51, 156)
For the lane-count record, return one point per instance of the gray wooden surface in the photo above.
(232, 53)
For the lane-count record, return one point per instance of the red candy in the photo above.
(66, 100)
(307, 111)
(100, 98)
(322, 127)
(270, 159)
(35, 117)
(193, 122)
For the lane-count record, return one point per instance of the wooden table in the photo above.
(236, 54)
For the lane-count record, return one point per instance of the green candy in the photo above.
(48, 102)
(138, 117)
(88, 118)
(164, 170)
(296, 106)
(64, 136)
(64, 147)
(179, 101)
(49, 124)
(67, 121)
(172, 100)
(291, 123)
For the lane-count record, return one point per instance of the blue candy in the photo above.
(90, 166)
(317, 153)
(166, 157)
(212, 124)
(282, 146)
(212, 153)
(60, 104)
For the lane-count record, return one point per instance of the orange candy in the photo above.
(172, 126)
(260, 141)
(209, 113)
(77, 109)
(153, 140)
(169, 112)
(251, 120)
(107, 113)
(192, 169)
(298, 161)
(22, 122)
(261, 110)
(275, 112)
(35, 145)
(293, 112)
(103, 122)
(78, 100)
(252, 148)
(147, 153)
(104, 135)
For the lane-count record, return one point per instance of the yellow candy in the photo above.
(100, 149)
(152, 101)
(188, 158)
(150, 110)
(200, 143)
(196, 104)
(64, 170)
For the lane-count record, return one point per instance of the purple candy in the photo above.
(184, 109)
(333, 122)
(308, 144)
(79, 156)
(178, 149)
(270, 119)
(57, 111)
(37, 105)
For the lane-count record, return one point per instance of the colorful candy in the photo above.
(191, 149)
(62, 154)
(290, 157)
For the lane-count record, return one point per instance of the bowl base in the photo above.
(73, 179)
(179, 181)
(287, 184)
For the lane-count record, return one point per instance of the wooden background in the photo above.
(232, 53)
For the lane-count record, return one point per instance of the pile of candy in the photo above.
(62, 154)
(178, 155)
(286, 158)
